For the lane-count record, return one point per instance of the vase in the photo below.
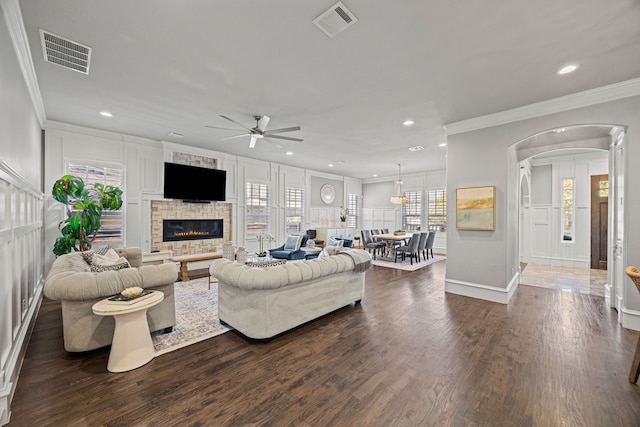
(227, 251)
(241, 256)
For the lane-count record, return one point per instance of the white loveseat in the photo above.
(262, 302)
(71, 281)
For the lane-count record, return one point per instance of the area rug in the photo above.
(196, 316)
(406, 265)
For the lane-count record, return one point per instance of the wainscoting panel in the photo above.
(378, 218)
(21, 273)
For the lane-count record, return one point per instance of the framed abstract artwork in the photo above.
(476, 208)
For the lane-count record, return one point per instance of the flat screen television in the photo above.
(192, 183)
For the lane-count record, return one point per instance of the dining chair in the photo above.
(369, 244)
(422, 244)
(429, 246)
(410, 248)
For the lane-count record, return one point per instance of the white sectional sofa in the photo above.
(262, 302)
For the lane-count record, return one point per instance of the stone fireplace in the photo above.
(204, 226)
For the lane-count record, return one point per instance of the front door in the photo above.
(599, 221)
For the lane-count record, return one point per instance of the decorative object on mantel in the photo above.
(343, 215)
(241, 256)
(84, 205)
(399, 197)
(227, 251)
(327, 194)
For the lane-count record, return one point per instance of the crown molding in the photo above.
(586, 98)
(18, 34)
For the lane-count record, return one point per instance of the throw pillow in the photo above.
(87, 256)
(112, 254)
(334, 242)
(103, 250)
(102, 263)
(292, 243)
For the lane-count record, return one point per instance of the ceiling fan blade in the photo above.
(237, 136)
(233, 121)
(291, 129)
(263, 122)
(272, 142)
(216, 127)
(253, 142)
(285, 137)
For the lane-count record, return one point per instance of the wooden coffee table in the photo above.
(186, 259)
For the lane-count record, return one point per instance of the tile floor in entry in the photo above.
(569, 279)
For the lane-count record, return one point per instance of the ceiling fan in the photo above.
(260, 131)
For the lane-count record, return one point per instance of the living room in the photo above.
(36, 146)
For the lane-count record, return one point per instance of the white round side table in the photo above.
(131, 346)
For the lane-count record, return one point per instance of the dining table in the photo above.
(389, 238)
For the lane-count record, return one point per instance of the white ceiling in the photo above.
(165, 66)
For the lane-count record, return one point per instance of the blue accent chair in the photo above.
(290, 250)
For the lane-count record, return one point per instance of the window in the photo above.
(567, 209)
(295, 210)
(603, 189)
(352, 205)
(258, 207)
(437, 200)
(111, 231)
(412, 211)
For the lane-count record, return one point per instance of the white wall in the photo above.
(21, 225)
(482, 264)
(544, 244)
(378, 212)
(144, 160)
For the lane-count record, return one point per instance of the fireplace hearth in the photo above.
(191, 229)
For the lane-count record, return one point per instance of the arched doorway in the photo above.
(563, 244)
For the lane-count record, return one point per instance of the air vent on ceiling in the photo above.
(66, 53)
(335, 20)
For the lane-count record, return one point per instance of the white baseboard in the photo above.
(630, 319)
(485, 292)
(607, 294)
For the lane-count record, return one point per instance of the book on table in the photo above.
(122, 300)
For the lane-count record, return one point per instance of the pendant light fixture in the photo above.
(398, 197)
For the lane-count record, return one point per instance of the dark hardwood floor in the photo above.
(410, 355)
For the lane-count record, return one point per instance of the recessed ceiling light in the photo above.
(375, 175)
(289, 153)
(416, 148)
(559, 130)
(444, 144)
(176, 135)
(408, 122)
(106, 114)
(330, 165)
(567, 69)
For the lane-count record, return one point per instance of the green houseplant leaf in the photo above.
(84, 204)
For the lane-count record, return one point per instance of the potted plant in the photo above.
(343, 214)
(399, 232)
(84, 205)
